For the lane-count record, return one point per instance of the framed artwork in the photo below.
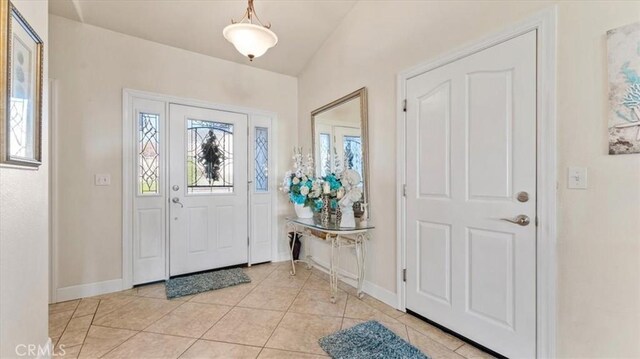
(21, 61)
(623, 56)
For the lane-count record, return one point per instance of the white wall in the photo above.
(599, 229)
(24, 232)
(92, 66)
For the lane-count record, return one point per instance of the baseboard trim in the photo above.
(88, 290)
(384, 295)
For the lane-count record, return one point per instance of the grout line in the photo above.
(285, 314)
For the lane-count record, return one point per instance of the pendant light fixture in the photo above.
(251, 40)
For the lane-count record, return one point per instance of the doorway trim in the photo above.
(545, 23)
(127, 164)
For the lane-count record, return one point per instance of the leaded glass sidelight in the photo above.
(353, 153)
(325, 154)
(209, 148)
(148, 153)
(262, 159)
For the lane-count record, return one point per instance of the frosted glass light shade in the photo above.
(249, 39)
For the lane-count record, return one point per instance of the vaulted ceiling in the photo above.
(302, 26)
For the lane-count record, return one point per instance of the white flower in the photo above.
(304, 190)
(340, 193)
(295, 180)
(304, 178)
(350, 177)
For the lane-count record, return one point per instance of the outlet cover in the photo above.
(103, 179)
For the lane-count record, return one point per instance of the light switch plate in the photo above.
(577, 178)
(103, 179)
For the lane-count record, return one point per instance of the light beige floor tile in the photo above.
(347, 288)
(357, 309)
(268, 297)
(63, 306)
(430, 347)
(156, 290)
(138, 314)
(101, 340)
(204, 349)
(432, 332)
(300, 332)
(319, 302)
(320, 274)
(58, 321)
(109, 304)
(66, 352)
(268, 353)
(76, 331)
(471, 352)
(189, 319)
(151, 345)
(398, 328)
(225, 296)
(87, 306)
(384, 308)
(317, 283)
(245, 326)
(259, 272)
(282, 278)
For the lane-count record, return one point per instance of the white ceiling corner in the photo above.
(302, 26)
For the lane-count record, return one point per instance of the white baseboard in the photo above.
(88, 290)
(386, 296)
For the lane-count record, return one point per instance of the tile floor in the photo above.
(274, 316)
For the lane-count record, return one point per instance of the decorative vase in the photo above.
(348, 219)
(338, 215)
(302, 211)
(324, 212)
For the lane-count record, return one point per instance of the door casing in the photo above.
(128, 190)
(545, 23)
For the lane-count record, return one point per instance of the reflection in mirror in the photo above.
(340, 139)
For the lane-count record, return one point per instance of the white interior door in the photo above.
(471, 150)
(208, 189)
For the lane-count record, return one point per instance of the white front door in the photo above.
(471, 158)
(208, 207)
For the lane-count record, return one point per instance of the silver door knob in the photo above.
(521, 220)
(176, 200)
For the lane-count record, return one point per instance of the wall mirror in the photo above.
(339, 132)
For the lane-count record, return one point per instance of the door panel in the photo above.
(149, 205)
(208, 180)
(471, 148)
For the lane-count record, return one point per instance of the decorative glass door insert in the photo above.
(209, 157)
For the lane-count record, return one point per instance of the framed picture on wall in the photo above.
(21, 81)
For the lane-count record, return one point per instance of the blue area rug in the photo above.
(368, 340)
(202, 282)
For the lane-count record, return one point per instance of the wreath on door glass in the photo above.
(211, 157)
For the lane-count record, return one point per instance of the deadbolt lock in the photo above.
(523, 197)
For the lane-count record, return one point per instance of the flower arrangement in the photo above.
(299, 183)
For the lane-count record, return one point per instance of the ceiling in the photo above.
(302, 26)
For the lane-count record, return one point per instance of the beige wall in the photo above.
(599, 229)
(92, 66)
(24, 230)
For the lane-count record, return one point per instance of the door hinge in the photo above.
(536, 221)
(247, 241)
(404, 275)
(404, 105)
(404, 190)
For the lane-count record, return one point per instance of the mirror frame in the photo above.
(364, 123)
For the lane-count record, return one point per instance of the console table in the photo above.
(338, 237)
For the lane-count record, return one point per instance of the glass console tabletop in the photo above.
(329, 227)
